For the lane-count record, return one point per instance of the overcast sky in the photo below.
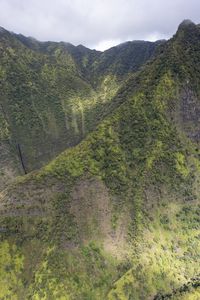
(97, 24)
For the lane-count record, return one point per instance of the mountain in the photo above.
(117, 215)
(54, 94)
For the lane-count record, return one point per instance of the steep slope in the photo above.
(117, 216)
(124, 59)
(33, 92)
(50, 98)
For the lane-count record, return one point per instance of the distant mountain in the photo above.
(117, 215)
(53, 94)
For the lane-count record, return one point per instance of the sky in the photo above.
(97, 24)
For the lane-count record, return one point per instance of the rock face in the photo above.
(117, 215)
(190, 114)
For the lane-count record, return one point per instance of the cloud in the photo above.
(106, 44)
(96, 23)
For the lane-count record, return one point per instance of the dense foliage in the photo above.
(53, 94)
(117, 216)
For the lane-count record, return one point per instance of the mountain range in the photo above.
(100, 169)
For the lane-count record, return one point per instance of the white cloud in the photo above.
(154, 36)
(106, 44)
(96, 22)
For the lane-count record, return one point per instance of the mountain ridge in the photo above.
(73, 108)
(117, 216)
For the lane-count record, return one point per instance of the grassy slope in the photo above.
(144, 240)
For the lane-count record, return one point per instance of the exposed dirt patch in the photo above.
(92, 206)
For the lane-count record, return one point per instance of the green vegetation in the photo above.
(53, 94)
(117, 216)
(11, 265)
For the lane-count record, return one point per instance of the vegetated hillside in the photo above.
(120, 60)
(53, 94)
(117, 216)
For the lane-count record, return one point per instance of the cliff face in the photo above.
(116, 216)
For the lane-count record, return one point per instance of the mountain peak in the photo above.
(2, 30)
(186, 23)
(188, 31)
